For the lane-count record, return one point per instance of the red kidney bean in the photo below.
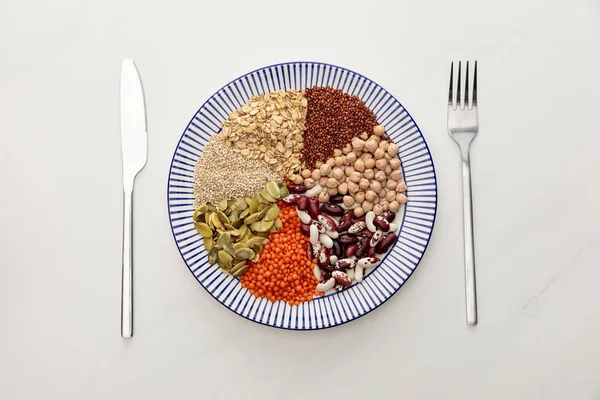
(389, 215)
(338, 250)
(296, 189)
(313, 208)
(347, 217)
(371, 252)
(336, 199)
(341, 278)
(347, 239)
(327, 222)
(344, 225)
(323, 258)
(386, 241)
(332, 209)
(302, 203)
(363, 249)
(365, 232)
(381, 223)
(291, 200)
(357, 227)
(308, 248)
(351, 249)
(320, 227)
(305, 229)
(344, 264)
(325, 275)
(361, 218)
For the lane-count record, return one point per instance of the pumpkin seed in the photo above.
(208, 220)
(259, 198)
(211, 208)
(224, 267)
(243, 254)
(252, 218)
(238, 246)
(243, 229)
(212, 255)
(223, 239)
(272, 213)
(255, 257)
(222, 205)
(224, 257)
(240, 204)
(248, 200)
(221, 215)
(244, 213)
(283, 191)
(228, 248)
(233, 216)
(199, 214)
(240, 271)
(203, 229)
(263, 213)
(257, 240)
(234, 232)
(262, 234)
(273, 229)
(217, 221)
(257, 248)
(253, 206)
(261, 226)
(278, 223)
(273, 189)
(238, 266)
(208, 243)
(238, 223)
(267, 196)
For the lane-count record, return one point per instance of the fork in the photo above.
(463, 126)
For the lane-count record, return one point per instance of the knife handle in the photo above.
(127, 272)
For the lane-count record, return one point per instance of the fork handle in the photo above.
(127, 268)
(470, 286)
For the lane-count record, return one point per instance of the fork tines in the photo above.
(462, 96)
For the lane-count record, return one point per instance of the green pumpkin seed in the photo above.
(262, 234)
(211, 208)
(238, 246)
(262, 226)
(273, 229)
(263, 213)
(273, 189)
(243, 229)
(248, 234)
(222, 205)
(212, 255)
(253, 218)
(203, 229)
(255, 257)
(221, 215)
(217, 221)
(208, 220)
(257, 248)
(244, 213)
(234, 232)
(229, 227)
(267, 196)
(240, 204)
(240, 271)
(283, 191)
(272, 213)
(243, 254)
(259, 198)
(228, 248)
(248, 200)
(199, 213)
(222, 239)
(238, 266)
(224, 267)
(224, 257)
(278, 223)
(253, 206)
(208, 243)
(257, 240)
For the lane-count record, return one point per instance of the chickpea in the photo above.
(323, 197)
(325, 169)
(316, 174)
(375, 138)
(391, 184)
(376, 186)
(388, 170)
(392, 149)
(367, 206)
(371, 145)
(348, 201)
(370, 163)
(298, 180)
(332, 191)
(385, 205)
(349, 170)
(380, 176)
(331, 162)
(318, 164)
(401, 187)
(338, 174)
(359, 165)
(343, 188)
(387, 156)
(364, 136)
(357, 144)
(383, 145)
(364, 183)
(351, 157)
(396, 175)
(366, 156)
(347, 149)
(306, 173)
(394, 206)
(323, 181)
(309, 183)
(371, 196)
(377, 209)
(381, 164)
(359, 197)
(345, 160)
(377, 199)
(332, 182)
(355, 177)
(379, 130)
(337, 152)
(382, 193)
(339, 161)
(395, 163)
(369, 173)
(390, 196)
(359, 212)
(352, 188)
(401, 198)
(379, 154)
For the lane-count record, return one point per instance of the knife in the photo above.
(134, 145)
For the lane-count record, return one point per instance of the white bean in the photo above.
(333, 259)
(317, 272)
(314, 234)
(350, 273)
(369, 221)
(314, 191)
(325, 286)
(358, 274)
(304, 217)
(332, 234)
(325, 240)
(393, 227)
(367, 262)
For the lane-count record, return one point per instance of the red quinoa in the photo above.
(333, 118)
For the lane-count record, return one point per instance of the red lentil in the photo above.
(333, 118)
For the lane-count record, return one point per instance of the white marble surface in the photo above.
(535, 167)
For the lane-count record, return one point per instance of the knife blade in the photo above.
(134, 145)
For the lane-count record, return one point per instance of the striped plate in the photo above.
(415, 228)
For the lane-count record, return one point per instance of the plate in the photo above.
(418, 214)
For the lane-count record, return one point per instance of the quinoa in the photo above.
(333, 118)
(221, 173)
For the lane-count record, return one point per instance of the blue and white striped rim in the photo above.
(415, 230)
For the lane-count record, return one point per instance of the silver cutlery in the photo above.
(463, 126)
(134, 143)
